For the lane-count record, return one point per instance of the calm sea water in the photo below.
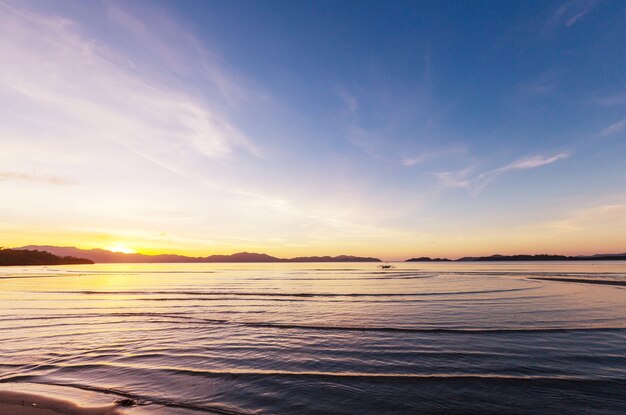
(323, 338)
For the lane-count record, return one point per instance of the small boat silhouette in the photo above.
(386, 266)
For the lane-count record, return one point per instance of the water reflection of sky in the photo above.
(234, 334)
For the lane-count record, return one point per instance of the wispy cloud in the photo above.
(387, 119)
(428, 156)
(166, 40)
(415, 160)
(350, 101)
(541, 85)
(476, 181)
(454, 179)
(573, 11)
(612, 129)
(8, 175)
(608, 101)
(138, 125)
(65, 77)
(522, 164)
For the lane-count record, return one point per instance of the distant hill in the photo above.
(545, 257)
(340, 258)
(105, 256)
(239, 257)
(427, 259)
(605, 256)
(539, 257)
(36, 257)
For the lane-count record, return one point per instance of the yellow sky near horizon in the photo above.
(579, 235)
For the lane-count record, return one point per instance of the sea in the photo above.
(322, 338)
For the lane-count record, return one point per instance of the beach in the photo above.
(20, 403)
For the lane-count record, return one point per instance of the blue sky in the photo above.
(381, 128)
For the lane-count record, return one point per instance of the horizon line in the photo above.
(419, 256)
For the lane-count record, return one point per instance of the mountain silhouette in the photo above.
(105, 256)
(37, 257)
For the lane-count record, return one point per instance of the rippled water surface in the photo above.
(324, 338)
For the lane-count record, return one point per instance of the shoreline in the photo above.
(38, 399)
(24, 403)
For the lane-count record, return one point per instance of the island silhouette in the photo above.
(67, 255)
(37, 257)
(538, 257)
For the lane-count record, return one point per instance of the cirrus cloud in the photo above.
(467, 179)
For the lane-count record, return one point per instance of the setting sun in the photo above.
(120, 248)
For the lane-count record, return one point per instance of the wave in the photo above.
(368, 376)
(390, 277)
(532, 273)
(109, 314)
(168, 301)
(413, 330)
(4, 277)
(148, 400)
(68, 273)
(83, 272)
(581, 280)
(282, 294)
(166, 318)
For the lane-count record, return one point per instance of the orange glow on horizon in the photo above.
(120, 248)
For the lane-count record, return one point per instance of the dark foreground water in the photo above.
(323, 338)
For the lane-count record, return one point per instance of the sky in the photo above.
(390, 129)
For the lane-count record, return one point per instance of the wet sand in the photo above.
(19, 403)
